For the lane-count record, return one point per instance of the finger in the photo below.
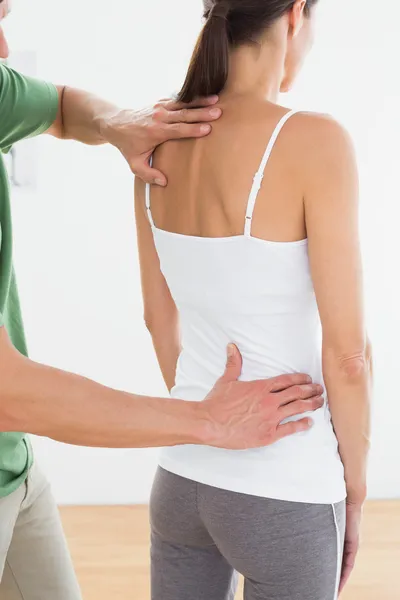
(188, 115)
(277, 384)
(293, 427)
(177, 131)
(299, 392)
(349, 561)
(301, 406)
(148, 174)
(234, 363)
(345, 576)
(171, 104)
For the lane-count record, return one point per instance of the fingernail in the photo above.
(310, 423)
(231, 350)
(159, 182)
(215, 112)
(309, 380)
(205, 128)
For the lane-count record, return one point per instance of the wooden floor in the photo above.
(110, 552)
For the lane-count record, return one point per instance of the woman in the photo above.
(261, 261)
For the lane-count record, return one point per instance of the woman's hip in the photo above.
(275, 544)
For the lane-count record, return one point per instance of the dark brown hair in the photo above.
(229, 23)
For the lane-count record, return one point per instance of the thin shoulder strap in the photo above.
(259, 176)
(147, 196)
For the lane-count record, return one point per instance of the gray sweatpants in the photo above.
(203, 536)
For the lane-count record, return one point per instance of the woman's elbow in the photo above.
(160, 317)
(353, 366)
(148, 318)
(154, 321)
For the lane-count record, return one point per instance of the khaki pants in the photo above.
(34, 560)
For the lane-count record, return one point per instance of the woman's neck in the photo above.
(256, 71)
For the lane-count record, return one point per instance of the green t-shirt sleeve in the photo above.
(28, 107)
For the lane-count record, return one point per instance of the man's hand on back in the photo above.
(88, 119)
(240, 415)
(71, 409)
(137, 133)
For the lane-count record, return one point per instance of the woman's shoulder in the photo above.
(320, 127)
(319, 138)
(306, 131)
(324, 154)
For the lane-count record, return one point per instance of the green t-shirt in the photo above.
(27, 108)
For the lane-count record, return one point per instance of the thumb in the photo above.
(233, 367)
(147, 174)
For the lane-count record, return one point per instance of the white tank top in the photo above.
(259, 295)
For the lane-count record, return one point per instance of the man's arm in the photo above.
(69, 408)
(88, 119)
(29, 107)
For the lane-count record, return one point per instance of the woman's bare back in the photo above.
(209, 179)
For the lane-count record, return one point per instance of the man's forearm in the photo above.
(69, 408)
(84, 115)
(87, 118)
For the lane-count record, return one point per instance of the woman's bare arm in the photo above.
(331, 209)
(160, 312)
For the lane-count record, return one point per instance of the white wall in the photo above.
(75, 242)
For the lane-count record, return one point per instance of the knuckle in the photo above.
(272, 382)
(269, 435)
(305, 392)
(298, 390)
(288, 428)
(270, 398)
(288, 431)
(278, 386)
(159, 113)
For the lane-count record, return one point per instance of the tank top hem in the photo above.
(272, 489)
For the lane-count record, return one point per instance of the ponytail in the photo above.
(209, 66)
(229, 23)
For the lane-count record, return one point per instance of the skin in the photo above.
(312, 176)
(50, 402)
